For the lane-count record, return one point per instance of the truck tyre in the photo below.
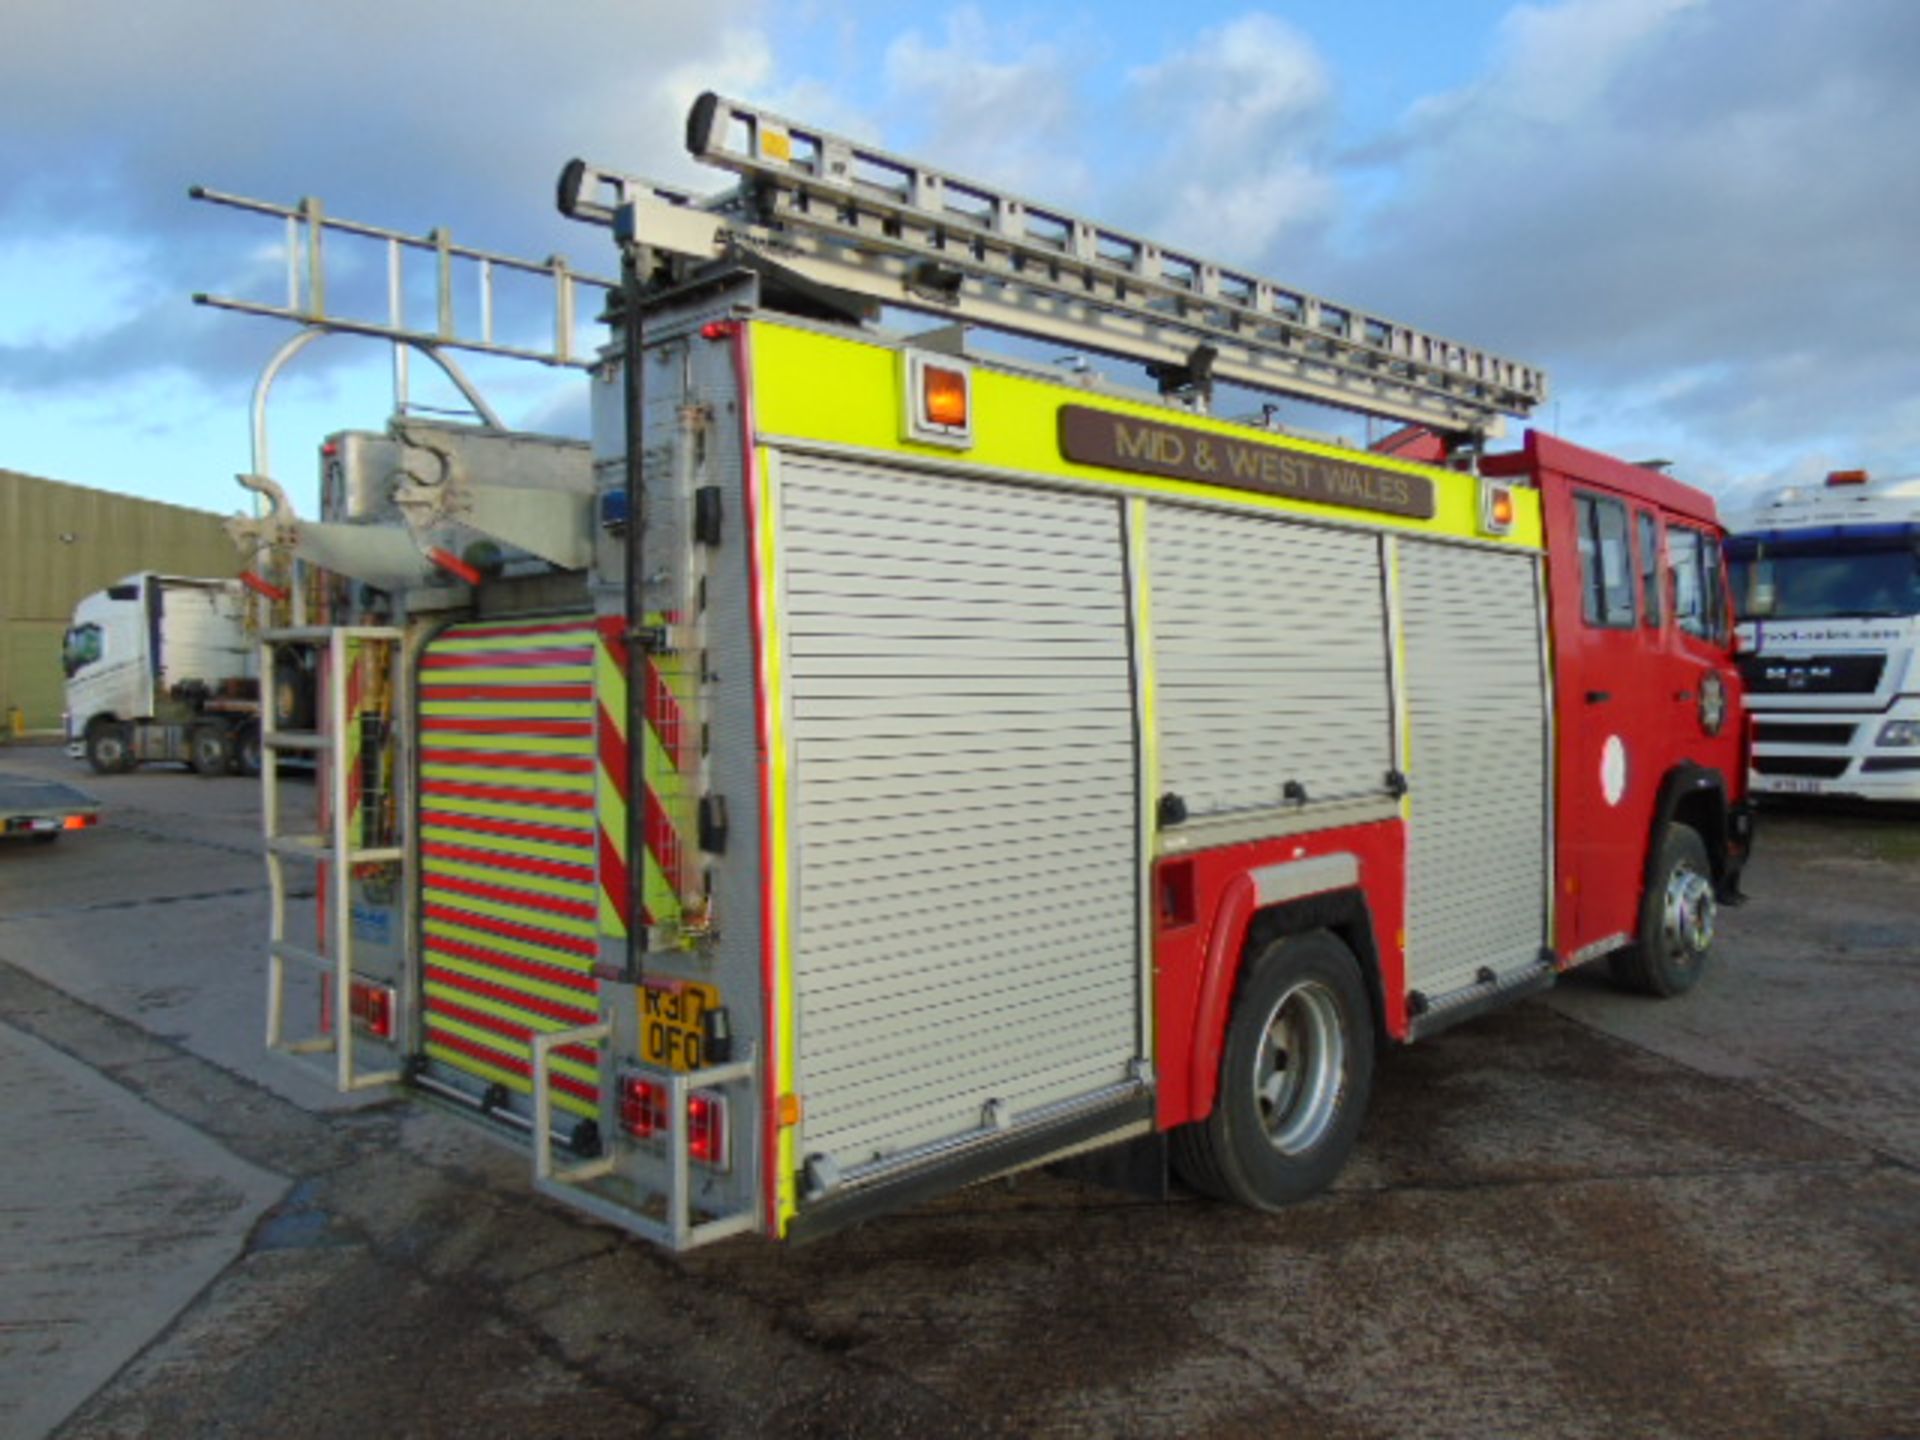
(1676, 919)
(1295, 1074)
(110, 747)
(244, 758)
(209, 749)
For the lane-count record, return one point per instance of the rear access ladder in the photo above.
(361, 706)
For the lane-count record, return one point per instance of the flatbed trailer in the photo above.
(43, 810)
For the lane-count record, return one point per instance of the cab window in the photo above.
(1606, 561)
(1649, 547)
(83, 646)
(1699, 589)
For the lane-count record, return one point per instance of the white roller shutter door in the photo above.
(965, 807)
(1477, 727)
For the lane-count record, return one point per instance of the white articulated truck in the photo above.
(160, 667)
(1826, 580)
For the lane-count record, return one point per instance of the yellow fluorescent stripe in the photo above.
(506, 675)
(499, 1009)
(509, 845)
(1149, 734)
(520, 779)
(782, 1021)
(510, 709)
(468, 1065)
(437, 805)
(662, 901)
(506, 1045)
(538, 989)
(509, 744)
(512, 879)
(507, 945)
(518, 914)
(456, 643)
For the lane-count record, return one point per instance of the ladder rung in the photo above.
(320, 847)
(309, 741)
(283, 950)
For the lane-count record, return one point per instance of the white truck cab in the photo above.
(1826, 583)
(160, 667)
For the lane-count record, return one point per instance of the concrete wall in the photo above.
(57, 543)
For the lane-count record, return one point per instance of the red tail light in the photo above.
(707, 1128)
(646, 1114)
(372, 1007)
(643, 1107)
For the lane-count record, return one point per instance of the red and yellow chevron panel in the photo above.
(671, 777)
(510, 894)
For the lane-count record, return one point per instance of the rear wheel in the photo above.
(1676, 919)
(209, 749)
(245, 757)
(109, 747)
(1295, 1074)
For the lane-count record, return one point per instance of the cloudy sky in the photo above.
(1702, 217)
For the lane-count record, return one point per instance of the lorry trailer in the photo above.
(43, 810)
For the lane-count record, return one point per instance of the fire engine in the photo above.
(882, 760)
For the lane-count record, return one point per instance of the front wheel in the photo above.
(1295, 1074)
(1676, 919)
(110, 747)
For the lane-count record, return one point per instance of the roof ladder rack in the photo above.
(891, 230)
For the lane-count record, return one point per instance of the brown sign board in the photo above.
(1181, 452)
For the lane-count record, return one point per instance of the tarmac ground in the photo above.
(1588, 1215)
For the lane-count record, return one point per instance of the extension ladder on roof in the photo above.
(862, 221)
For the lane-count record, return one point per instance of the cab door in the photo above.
(1611, 691)
(1702, 689)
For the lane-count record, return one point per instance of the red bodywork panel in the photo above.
(1203, 905)
(1627, 697)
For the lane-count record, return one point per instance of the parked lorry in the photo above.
(32, 808)
(882, 762)
(160, 667)
(1826, 584)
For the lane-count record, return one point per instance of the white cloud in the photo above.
(1699, 188)
(1238, 120)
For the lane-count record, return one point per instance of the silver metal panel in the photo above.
(1477, 716)
(1270, 660)
(964, 802)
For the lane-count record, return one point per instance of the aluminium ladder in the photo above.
(888, 230)
(340, 846)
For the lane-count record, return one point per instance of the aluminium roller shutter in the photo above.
(965, 805)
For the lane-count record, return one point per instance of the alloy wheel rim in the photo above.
(1688, 915)
(1297, 1072)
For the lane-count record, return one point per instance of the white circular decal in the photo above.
(1613, 769)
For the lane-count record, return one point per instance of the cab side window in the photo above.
(83, 647)
(1649, 547)
(1699, 588)
(1606, 561)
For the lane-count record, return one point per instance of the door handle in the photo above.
(1599, 697)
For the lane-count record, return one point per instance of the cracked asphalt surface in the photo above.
(1590, 1215)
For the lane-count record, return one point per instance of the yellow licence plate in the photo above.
(670, 1015)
